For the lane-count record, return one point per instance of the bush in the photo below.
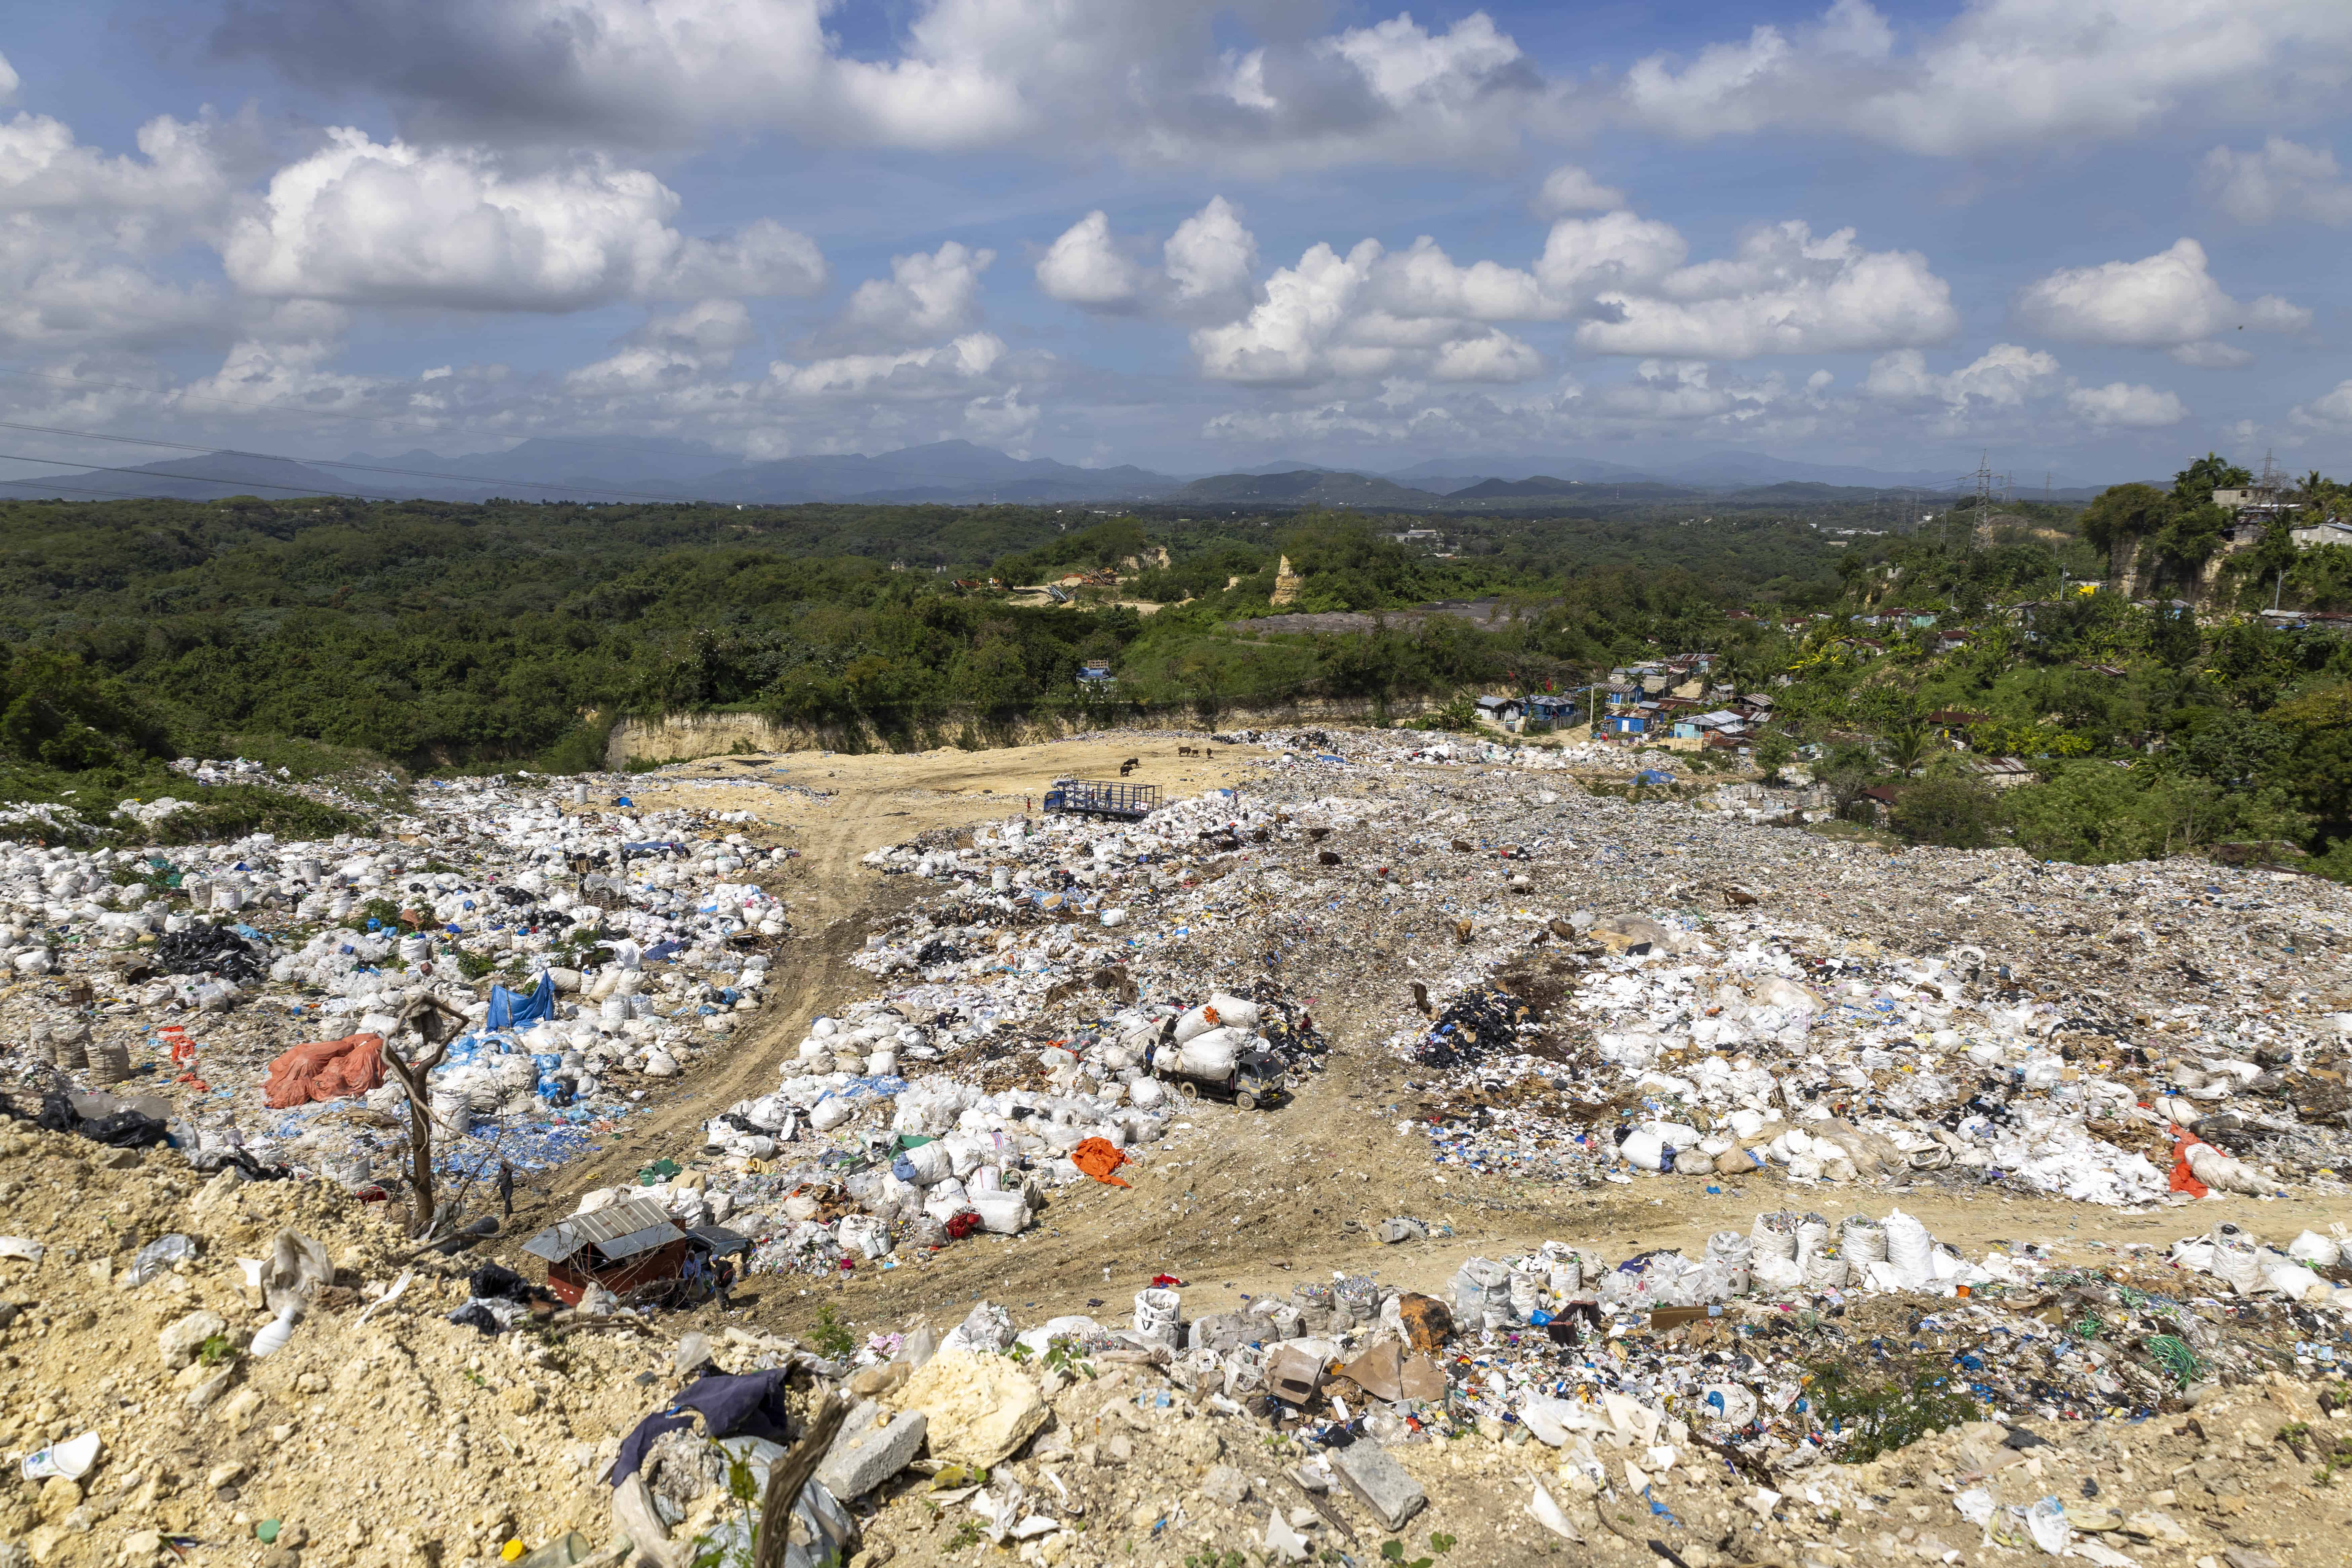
(233, 811)
(1891, 1410)
(1948, 808)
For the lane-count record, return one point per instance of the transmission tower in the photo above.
(1982, 533)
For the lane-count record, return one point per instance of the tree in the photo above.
(2123, 515)
(1950, 806)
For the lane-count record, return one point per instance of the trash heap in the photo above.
(921, 1118)
(590, 949)
(267, 1344)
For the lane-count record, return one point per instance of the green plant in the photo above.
(1063, 1356)
(1394, 1551)
(743, 1491)
(967, 1535)
(474, 965)
(1889, 1410)
(830, 1338)
(216, 1349)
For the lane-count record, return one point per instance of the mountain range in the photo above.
(943, 471)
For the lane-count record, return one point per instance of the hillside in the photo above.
(1305, 488)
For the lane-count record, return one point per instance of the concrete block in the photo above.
(871, 1446)
(1379, 1482)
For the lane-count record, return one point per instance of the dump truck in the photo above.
(1103, 798)
(1229, 1060)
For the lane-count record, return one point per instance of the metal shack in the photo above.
(1101, 797)
(620, 1247)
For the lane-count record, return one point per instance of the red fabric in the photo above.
(1098, 1157)
(325, 1069)
(2184, 1179)
(963, 1225)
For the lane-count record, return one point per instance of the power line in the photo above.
(192, 478)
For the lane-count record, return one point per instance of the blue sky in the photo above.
(2087, 236)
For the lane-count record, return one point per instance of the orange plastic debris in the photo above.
(2184, 1179)
(325, 1069)
(1097, 1157)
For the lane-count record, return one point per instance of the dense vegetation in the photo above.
(452, 636)
(2151, 728)
(311, 633)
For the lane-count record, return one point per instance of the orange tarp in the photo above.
(1097, 1157)
(325, 1069)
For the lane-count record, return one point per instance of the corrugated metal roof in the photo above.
(618, 1230)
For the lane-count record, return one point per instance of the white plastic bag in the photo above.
(1910, 1251)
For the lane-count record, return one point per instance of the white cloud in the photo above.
(1210, 257)
(939, 371)
(1495, 356)
(2126, 405)
(1569, 189)
(1623, 278)
(1244, 82)
(2285, 179)
(8, 81)
(2211, 354)
(83, 232)
(669, 349)
(362, 223)
(2004, 377)
(1086, 268)
(925, 297)
(2330, 411)
(1363, 316)
(1205, 272)
(1003, 420)
(2164, 301)
(2004, 73)
(1785, 291)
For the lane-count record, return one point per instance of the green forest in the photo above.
(325, 635)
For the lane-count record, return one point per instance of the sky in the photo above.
(2083, 237)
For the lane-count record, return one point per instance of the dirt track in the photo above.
(1234, 1204)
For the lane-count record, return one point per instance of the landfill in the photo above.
(1509, 966)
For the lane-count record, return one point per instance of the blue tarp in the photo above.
(509, 1011)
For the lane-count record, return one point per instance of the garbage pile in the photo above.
(592, 951)
(266, 1344)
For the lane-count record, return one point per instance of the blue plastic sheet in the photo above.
(509, 1011)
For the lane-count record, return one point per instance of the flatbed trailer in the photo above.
(1103, 798)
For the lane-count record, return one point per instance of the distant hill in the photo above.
(1536, 485)
(944, 471)
(941, 471)
(199, 476)
(1305, 488)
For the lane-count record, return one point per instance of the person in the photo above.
(505, 1188)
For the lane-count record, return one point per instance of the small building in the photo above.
(1096, 675)
(1626, 723)
(620, 1247)
(2311, 536)
(2004, 773)
(1502, 709)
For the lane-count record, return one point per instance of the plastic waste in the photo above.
(2046, 1520)
(158, 1257)
(2320, 1251)
(71, 1458)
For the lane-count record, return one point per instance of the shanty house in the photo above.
(620, 1247)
